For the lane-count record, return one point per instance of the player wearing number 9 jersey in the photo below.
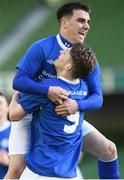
(56, 141)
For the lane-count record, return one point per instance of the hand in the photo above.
(57, 94)
(68, 107)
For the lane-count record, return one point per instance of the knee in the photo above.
(110, 151)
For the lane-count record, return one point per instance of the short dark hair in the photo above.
(67, 9)
(84, 60)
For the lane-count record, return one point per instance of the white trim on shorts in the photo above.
(28, 174)
(87, 128)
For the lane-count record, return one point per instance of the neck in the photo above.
(66, 37)
(66, 76)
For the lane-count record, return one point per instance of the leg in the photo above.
(79, 173)
(98, 145)
(16, 166)
(18, 145)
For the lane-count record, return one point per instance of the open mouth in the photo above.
(82, 33)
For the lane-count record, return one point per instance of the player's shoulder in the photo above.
(46, 41)
(43, 45)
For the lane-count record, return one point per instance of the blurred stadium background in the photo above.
(23, 22)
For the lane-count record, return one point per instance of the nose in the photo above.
(87, 26)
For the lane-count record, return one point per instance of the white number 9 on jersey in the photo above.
(73, 118)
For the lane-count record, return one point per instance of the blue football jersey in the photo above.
(4, 137)
(55, 141)
(38, 64)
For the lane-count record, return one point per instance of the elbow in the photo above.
(15, 83)
(100, 102)
(18, 80)
(13, 117)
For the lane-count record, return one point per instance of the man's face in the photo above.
(3, 107)
(77, 26)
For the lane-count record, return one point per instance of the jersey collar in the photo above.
(68, 81)
(64, 44)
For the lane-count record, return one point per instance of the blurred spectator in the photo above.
(4, 135)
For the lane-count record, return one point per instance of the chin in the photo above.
(81, 40)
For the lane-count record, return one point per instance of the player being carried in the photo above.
(56, 141)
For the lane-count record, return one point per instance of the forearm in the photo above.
(25, 84)
(92, 103)
(95, 98)
(16, 112)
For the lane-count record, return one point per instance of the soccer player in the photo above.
(4, 135)
(56, 141)
(74, 20)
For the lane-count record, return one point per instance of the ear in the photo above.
(69, 67)
(64, 21)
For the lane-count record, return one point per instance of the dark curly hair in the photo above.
(67, 9)
(83, 59)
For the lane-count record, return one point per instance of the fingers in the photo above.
(61, 110)
(63, 97)
(62, 113)
(58, 102)
(57, 95)
(64, 94)
(60, 98)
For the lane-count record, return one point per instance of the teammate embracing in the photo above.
(37, 64)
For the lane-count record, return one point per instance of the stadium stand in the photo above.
(12, 11)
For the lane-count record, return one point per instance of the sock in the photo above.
(108, 169)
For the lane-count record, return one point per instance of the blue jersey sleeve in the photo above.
(31, 66)
(31, 103)
(32, 61)
(95, 99)
(28, 68)
(23, 83)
